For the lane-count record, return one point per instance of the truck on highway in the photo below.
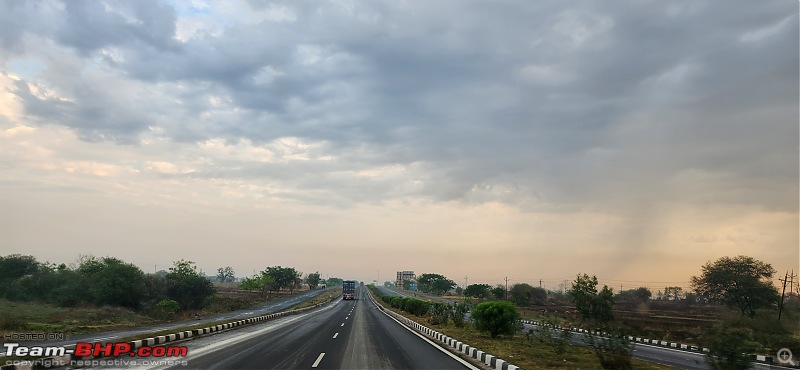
(348, 289)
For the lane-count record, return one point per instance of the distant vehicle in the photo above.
(348, 289)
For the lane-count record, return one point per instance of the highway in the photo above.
(343, 335)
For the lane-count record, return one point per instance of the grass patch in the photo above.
(322, 298)
(38, 317)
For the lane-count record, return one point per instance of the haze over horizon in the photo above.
(634, 141)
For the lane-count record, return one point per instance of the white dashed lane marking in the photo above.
(316, 363)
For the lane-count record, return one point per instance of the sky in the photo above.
(631, 140)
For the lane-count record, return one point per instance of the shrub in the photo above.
(168, 308)
(614, 352)
(548, 333)
(416, 307)
(398, 302)
(499, 317)
(440, 312)
(729, 350)
(457, 312)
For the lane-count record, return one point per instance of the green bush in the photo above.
(496, 318)
(440, 313)
(416, 307)
(730, 349)
(457, 312)
(167, 308)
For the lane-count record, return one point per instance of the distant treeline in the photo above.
(105, 281)
(110, 281)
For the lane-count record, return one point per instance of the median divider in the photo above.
(66, 360)
(449, 343)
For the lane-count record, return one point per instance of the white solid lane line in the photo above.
(342, 324)
(316, 363)
(335, 335)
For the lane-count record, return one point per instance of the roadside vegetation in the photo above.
(528, 350)
(732, 307)
(99, 294)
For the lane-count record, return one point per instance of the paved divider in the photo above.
(66, 360)
(489, 360)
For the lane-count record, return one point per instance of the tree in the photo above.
(111, 281)
(334, 281)
(312, 280)
(591, 304)
(523, 294)
(407, 284)
(477, 290)
(435, 284)
(187, 286)
(14, 270)
(15, 266)
(742, 282)
(262, 282)
(388, 284)
(496, 318)
(225, 274)
(673, 293)
(283, 277)
(251, 283)
(638, 295)
(730, 349)
(499, 292)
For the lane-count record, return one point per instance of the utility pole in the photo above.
(465, 281)
(785, 281)
(540, 283)
(506, 288)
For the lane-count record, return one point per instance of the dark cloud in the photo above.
(579, 104)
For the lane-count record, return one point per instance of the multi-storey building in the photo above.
(403, 276)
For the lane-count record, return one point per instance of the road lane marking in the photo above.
(342, 324)
(335, 335)
(316, 363)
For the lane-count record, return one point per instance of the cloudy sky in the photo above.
(531, 140)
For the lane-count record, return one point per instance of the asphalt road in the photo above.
(279, 304)
(345, 335)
